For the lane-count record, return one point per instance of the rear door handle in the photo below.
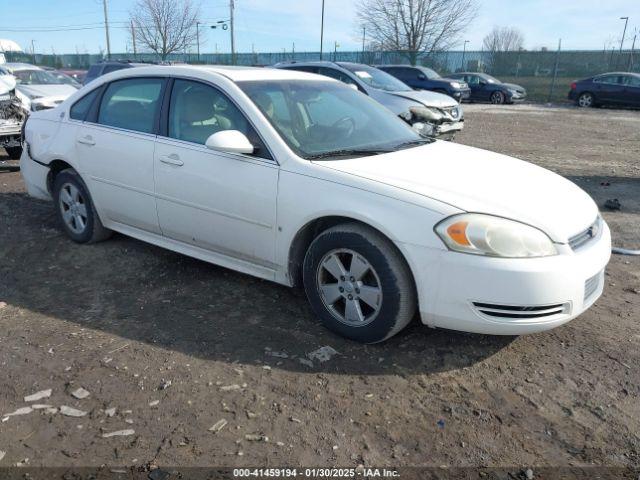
(172, 159)
(88, 140)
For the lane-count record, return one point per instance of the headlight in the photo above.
(426, 113)
(455, 85)
(481, 234)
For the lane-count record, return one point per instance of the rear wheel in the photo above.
(585, 100)
(14, 152)
(358, 283)
(497, 98)
(75, 209)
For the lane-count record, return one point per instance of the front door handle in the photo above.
(172, 159)
(88, 140)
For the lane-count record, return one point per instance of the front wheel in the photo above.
(497, 98)
(75, 209)
(358, 283)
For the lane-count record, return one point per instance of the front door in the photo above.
(222, 202)
(116, 151)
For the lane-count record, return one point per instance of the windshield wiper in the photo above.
(348, 153)
(413, 143)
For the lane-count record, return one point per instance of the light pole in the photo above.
(464, 51)
(321, 29)
(624, 31)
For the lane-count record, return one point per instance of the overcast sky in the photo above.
(271, 25)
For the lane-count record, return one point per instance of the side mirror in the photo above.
(231, 141)
(421, 76)
(353, 86)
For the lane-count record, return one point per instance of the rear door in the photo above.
(631, 90)
(115, 147)
(222, 202)
(477, 88)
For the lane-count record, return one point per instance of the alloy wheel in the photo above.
(349, 287)
(73, 208)
(585, 100)
(496, 97)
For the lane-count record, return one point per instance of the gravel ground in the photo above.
(177, 346)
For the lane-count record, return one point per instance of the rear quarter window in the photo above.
(80, 109)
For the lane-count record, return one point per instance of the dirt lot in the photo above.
(134, 324)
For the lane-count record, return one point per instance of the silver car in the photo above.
(432, 114)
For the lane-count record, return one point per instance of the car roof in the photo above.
(618, 73)
(20, 66)
(233, 73)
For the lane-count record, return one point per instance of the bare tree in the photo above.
(500, 44)
(411, 27)
(165, 26)
(503, 39)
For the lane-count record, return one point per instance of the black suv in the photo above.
(423, 78)
(98, 69)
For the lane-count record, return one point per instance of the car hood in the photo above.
(476, 180)
(513, 86)
(62, 91)
(430, 99)
(400, 102)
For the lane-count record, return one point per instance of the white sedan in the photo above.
(299, 179)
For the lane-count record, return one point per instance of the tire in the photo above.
(14, 152)
(586, 100)
(70, 194)
(390, 291)
(497, 98)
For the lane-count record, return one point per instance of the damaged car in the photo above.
(12, 115)
(429, 113)
(42, 89)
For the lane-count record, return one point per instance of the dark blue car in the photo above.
(485, 88)
(423, 78)
(615, 88)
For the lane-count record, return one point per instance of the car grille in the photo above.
(521, 311)
(584, 237)
(591, 285)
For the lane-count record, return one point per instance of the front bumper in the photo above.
(9, 133)
(517, 97)
(500, 296)
(34, 175)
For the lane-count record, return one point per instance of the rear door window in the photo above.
(131, 104)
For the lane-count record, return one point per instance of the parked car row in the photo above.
(301, 179)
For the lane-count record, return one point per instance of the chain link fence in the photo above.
(545, 74)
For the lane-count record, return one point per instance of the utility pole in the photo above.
(364, 36)
(321, 29)
(233, 46)
(106, 28)
(133, 40)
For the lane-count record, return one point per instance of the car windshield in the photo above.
(323, 119)
(430, 74)
(64, 78)
(376, 78)
(36, 77)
